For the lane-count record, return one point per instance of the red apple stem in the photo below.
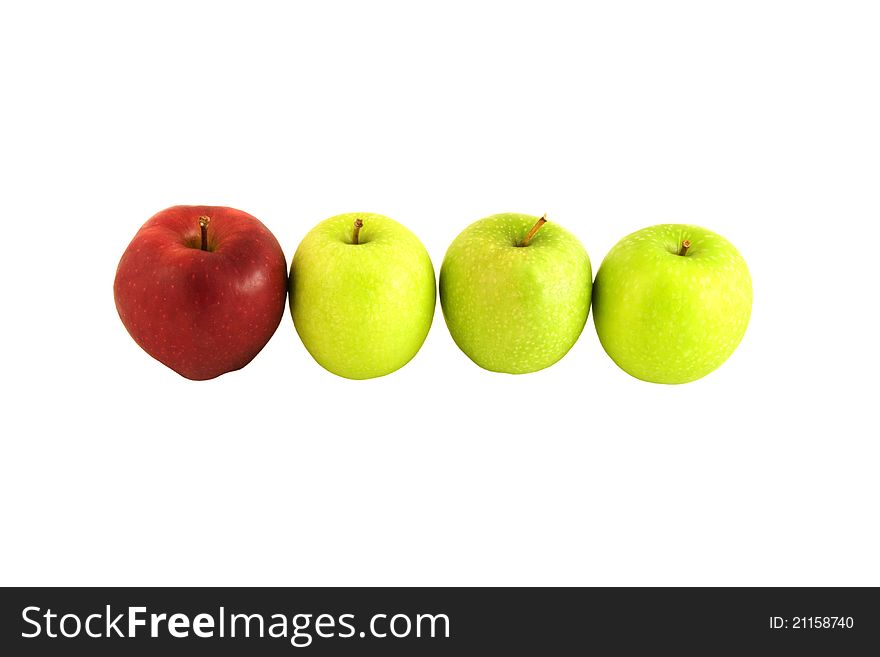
(358, 224)
(203, 224)
(684, 247)
(535, 229)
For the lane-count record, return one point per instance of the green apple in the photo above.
(362, 294)
(672, 302)
(515, 292)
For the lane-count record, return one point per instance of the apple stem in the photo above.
(535, 229)
(358, 224)
(203, 224)
(684, 247)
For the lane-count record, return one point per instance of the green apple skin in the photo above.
(670, 318)
(511, 308)
(362, 310)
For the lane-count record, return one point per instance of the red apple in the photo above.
(202, 289)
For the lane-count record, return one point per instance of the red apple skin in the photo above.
(202, 313)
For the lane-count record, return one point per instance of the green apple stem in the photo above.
(535, 229)
(358, 224)
(203, 224)
(684, 247)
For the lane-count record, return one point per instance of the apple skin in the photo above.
(362, 310)
(515, 309)
(202, 313)
(670, 318)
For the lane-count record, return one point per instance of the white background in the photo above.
(759, 120)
